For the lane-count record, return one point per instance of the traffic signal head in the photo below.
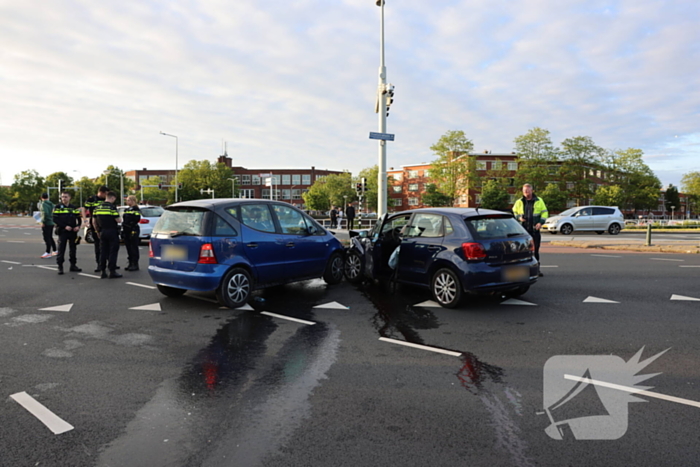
(160, 186)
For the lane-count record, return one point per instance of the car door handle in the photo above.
(290, 245)
(252, 245)
(433, 247)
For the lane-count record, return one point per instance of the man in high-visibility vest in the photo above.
(531, 212)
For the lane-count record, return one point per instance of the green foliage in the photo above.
(672, 199)
(454, 169)
(612, 195)
(86, 188)
(432, 197)
(332, 190)
(113, 178)
(580, 154)
(536, 158)
(153, 194)
(690, 184)
(554, 198)
(202, 175)
(25, 191)
(636, 180)
(493, 196)
(372, 192)
(52, 182)
(4, 198)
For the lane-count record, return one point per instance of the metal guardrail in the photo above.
(358, 223)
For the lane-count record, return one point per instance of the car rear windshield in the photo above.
(155, 211)
(491, 227)
(182, 221)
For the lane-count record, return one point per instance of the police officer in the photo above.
(531, 212)
(106, 219)
(131, 231)
(89, 209)
(67, 220)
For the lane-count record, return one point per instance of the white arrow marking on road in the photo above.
(598, 300)
(10, 262)
(635, 391)
(151, 307)
(141, 285)
(429, 304)
(297, 320)
(45, 416)
(333, 306)
(58, 308)
(683, 297)
(515, 301)
(422, 347)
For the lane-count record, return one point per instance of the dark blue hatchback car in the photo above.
(452, 251)
(234, 246)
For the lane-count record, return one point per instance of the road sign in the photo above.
(384, 136)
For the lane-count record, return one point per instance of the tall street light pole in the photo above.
(176, 145)
(381, 108)
(233, 187)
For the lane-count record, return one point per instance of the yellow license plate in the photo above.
(516, 274)
(173, 253)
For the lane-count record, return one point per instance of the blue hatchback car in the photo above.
(234, 246)
(451, 251)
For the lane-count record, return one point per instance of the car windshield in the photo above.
(152, 211)
(568, 212)
(487, 228)
(181, 221)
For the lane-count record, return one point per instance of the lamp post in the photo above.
(176, 147)
(673, 208)
(233, 187)
(381, 109)
(121, 183)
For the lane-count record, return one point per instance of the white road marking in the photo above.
(50, 268)
(682, 297)
(89, 275)
(428, 304)
(667, 259)
(142, 285)
(607, 256)
(45, 416)
(9, 262)
(688, 266)
(302, 321)
(151, 307)
(548, 266)
(515, 301)
(15, 241)
(635, 391)
(333, 306)
(422, 347)
(244, 307)
(65, 308)
(598, 300)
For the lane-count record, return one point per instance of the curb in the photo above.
(684, 249)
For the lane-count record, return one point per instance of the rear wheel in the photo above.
(446, 288)
(566, 229)
(89, 236)
(334, 269)
(170, 291)
(614, 229)
(353, 266)
(235, 288)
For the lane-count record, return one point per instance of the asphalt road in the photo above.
(146, 380)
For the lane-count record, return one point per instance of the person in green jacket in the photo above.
(531, 212)
(47, 225)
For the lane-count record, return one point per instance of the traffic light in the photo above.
(358, 188)
(389, 91)
(364, 184)
(179, 186)
(160, 186)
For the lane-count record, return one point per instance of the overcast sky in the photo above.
(292, 83)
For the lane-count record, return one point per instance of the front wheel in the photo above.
(334, 269)
(170, 291)
(566, 229)
(614, 229)
(353, 266)
(235, 288)
(446, 288)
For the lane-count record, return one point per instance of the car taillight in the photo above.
(144, 221)
(531, 246)
(473, 250)
(206, 254)
(150, 250)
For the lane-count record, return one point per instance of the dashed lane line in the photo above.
(52, 421)
(688, 266)
(50, 268)
(142, 285)
(607, 256)
(89, 275)
(667, 259)
(289, 318)
(422, 347)
(9, 262)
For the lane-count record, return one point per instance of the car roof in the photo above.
(213, 203)
(464, 212)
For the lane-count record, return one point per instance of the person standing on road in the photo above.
(89, 210)
(67, 219)
(334, 217)
(131, 232)
(531, 212)
(106, 219)
(47, 225)
(350, 215)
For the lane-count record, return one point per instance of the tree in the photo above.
(454, 169)
(316, 197)
(537, 158)
(554, 198)
(26, 190)
(580, 154)
(493, 196)
(153, 194)
(672, 199)
(331, 190)
(52, 181)
(202, 175)
(4, 198)
(612, 195)
(114, 179)
(690, 184)
(638, 184)
(86, 188)
(432, 197)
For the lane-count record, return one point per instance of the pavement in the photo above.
(662, 241)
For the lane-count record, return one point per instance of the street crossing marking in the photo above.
(598, 300)
(52, 421)
(422, 347)
(141, 285)
(275, 315)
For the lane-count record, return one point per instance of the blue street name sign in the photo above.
(384, 136)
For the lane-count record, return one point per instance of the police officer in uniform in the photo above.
(106, 219)
(131, 231)
(67, 220)
(90, 205)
